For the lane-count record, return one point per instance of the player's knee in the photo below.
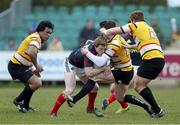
(112, 87)
(120, 98)
(96, 87)
(35, 84)
(39, 84)
(138, 88)
(68, 92)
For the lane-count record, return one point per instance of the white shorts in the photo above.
(70, 68)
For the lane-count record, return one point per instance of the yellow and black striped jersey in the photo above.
(120, 56)
(21, 57)
(146, 40)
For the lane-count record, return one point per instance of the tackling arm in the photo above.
(98, 60)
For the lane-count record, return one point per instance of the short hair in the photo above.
(137, 15)
(100, 40)
(102, 24)
(107, 24)
(43, 24)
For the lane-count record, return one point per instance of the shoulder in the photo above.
(35, 40)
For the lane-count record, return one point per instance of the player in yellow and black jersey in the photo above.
(152, 55)
(120, 59)
(24, 66)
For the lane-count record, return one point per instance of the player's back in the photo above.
(76, 58)
(146, 40)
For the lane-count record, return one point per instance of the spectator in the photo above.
(175, 31)
(88, 32)
(11, 43)
(176, 36)
(156, 28)
(55, 45)
(32, 29)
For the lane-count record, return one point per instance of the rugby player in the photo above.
(136, 60)
(21, 65)
(152, 57)
(80, 65)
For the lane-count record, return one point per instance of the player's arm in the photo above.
(116, 30)
(32, 51)
(100, 75)
(126, 45)
(98, 60)
(91, 71)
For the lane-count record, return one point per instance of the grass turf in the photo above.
(44, 99)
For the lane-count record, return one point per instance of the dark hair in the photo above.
(102, 24)
(137, 15)
(43, 24)
(107, 24)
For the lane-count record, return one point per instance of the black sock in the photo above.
(23, 94)
(28, 97)
(84, 91)
(148, 96)
(136, 101)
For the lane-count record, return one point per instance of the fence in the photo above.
(10, 17)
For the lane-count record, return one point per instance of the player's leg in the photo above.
(123, 79)
(83, 92)
(107, 77)
(34, 84)
(88, 86)
(31, 81)
(147, 72)
(70, 84)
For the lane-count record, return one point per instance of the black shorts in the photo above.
(123, 77)
(150, 69)
(21, 72)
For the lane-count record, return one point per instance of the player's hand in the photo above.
(39, 68)
(37, 73)
(107, 70)
(84, 50)
(125, 46)
(103, 30)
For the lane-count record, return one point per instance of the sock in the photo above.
(134, 100)
(123, 104)
(112, 97)
(23, 94)
(84, 91)
(146, 93)
(28, 97)
(92, 97)
(60, 100)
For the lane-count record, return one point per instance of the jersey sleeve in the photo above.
(130, 27)
(114, 45)
(35, 42)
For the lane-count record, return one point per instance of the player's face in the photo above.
(100, 49)
(46, 33)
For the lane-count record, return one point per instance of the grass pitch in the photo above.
(44, 99)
